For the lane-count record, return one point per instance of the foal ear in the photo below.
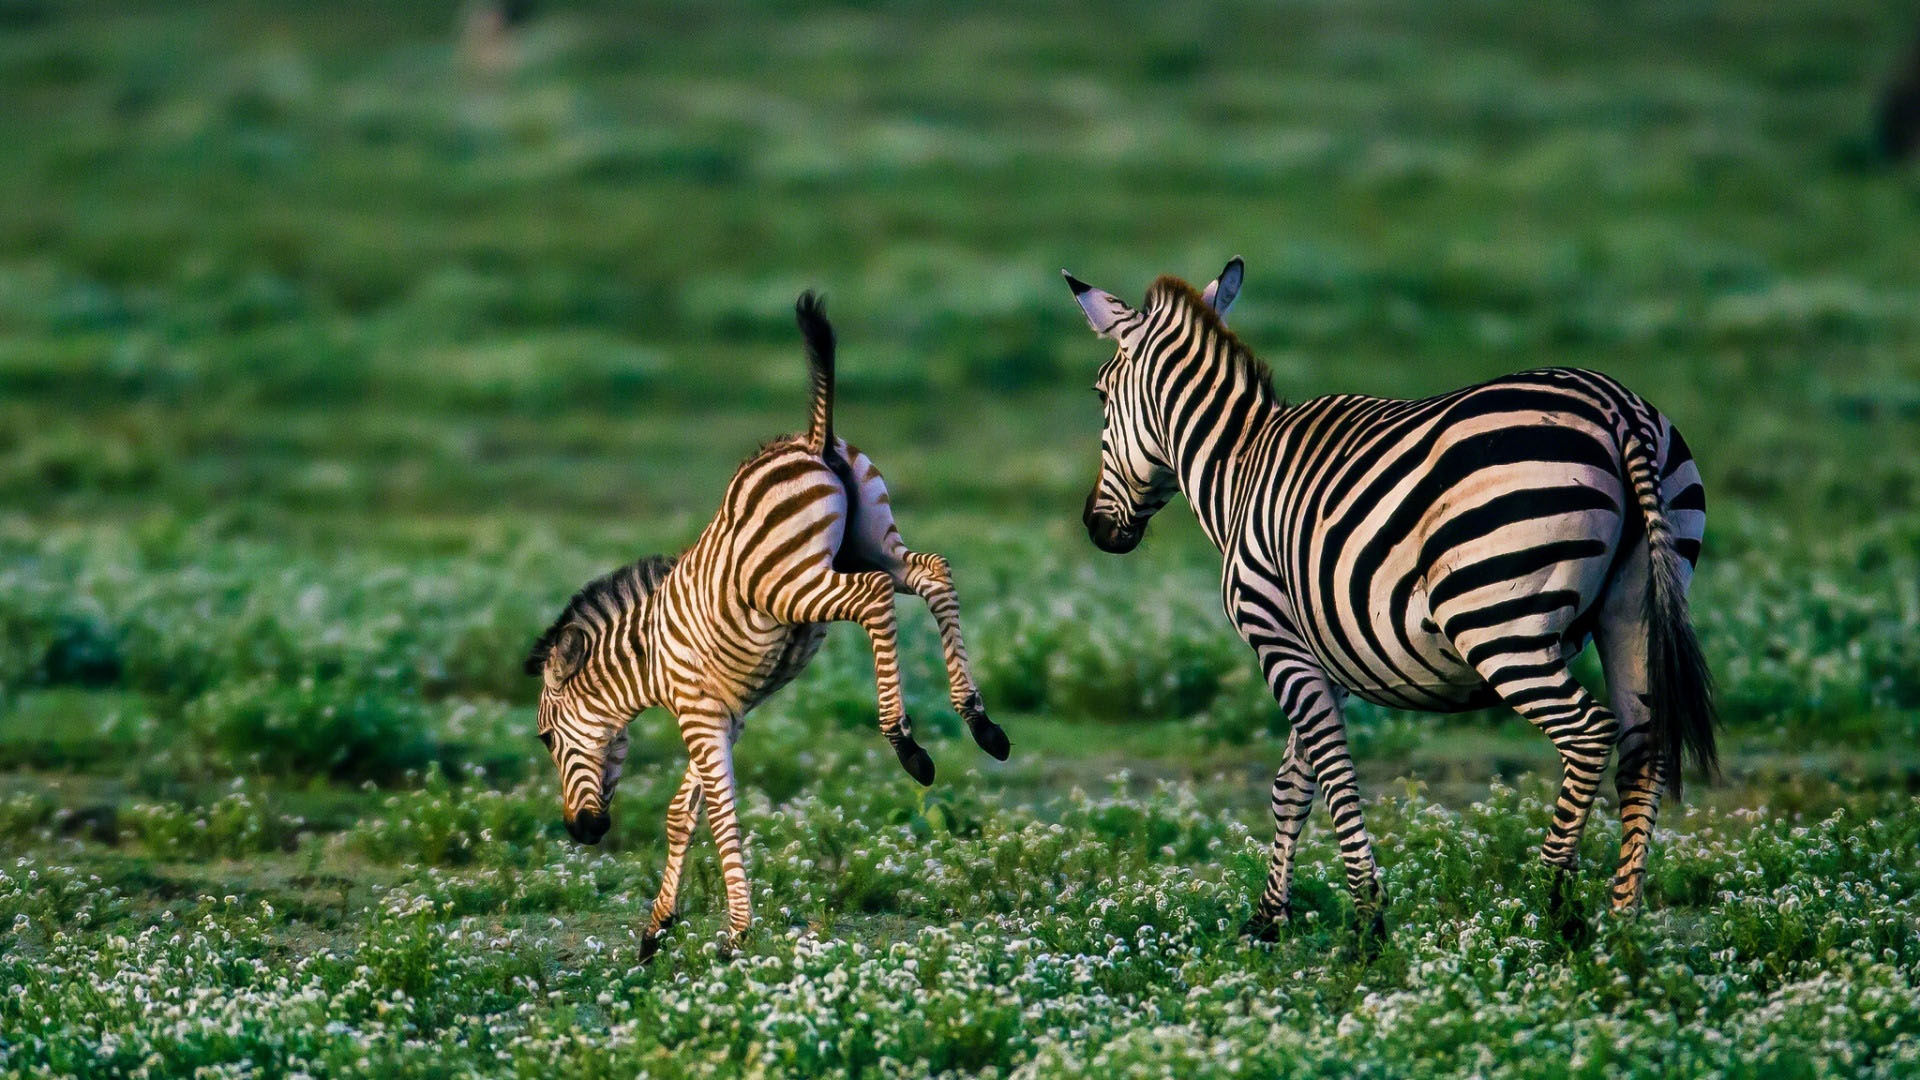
(1104, 310)
(1221, 291)
(568, 656)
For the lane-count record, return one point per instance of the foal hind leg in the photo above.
(927, 576)
(873, 539)
(867, 599)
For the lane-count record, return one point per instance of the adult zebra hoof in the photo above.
(1374, 933)
(914, 760)
(1261, 928)
(1564, 914)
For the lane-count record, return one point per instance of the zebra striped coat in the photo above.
(1442, 554)
(804, 536)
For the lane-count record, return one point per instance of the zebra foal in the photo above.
(1442, 554)
(804, 536)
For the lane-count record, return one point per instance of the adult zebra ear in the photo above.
(568, 656)
(1104, 310)
(1221, 291)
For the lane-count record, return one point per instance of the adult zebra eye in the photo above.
(546, 739)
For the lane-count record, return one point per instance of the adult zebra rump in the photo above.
(804, 536)
(1442, 554)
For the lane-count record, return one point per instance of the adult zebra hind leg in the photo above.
(1317, 756)
(1537, 685)
(1640, 776)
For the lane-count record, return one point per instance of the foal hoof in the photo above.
(991, 738)
(915, 761)
(650, 941)
(986, 733)
(1575, 932)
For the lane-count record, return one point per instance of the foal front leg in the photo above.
(683, 813)
(707, 730)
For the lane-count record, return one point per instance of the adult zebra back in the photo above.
(804, 536)
(1441, 554)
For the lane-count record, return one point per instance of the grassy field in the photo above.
(335, 353)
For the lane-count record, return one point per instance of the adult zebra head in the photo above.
(592, 663)
(1154, 347)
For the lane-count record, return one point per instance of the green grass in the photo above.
(332, 361)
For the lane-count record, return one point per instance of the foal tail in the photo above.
(1678, 680)
(811, 313)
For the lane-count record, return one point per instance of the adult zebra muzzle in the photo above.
(1106, 532)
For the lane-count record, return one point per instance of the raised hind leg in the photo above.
(867, 599)
(928, 577)
(872, 539)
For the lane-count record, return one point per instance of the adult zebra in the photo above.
(1441, 554)
(804, 536)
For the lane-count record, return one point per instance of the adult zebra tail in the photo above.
(1680, 685)
(811, 312)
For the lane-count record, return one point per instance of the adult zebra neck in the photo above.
(1214, 401)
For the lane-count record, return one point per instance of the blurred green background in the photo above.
(340, 342)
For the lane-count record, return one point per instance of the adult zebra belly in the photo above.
(1489, 538)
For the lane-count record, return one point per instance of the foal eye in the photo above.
(546, 738)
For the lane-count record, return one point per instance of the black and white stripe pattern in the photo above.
(1442, 554)
(804, 536)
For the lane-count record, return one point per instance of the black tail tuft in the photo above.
(1678, 682)
(1677, 676)
(810, 311)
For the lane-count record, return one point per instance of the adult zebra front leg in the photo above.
(1317, 756)
(1293, 795)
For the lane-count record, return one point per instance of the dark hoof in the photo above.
(1374, 931)
(1575, 932)
(1261, 928)
(915, 761)
(991, 738)
(650, 943)
(1563, 913)
(985, 732)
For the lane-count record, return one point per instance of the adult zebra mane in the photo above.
(1168, 290)
(616, 590)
